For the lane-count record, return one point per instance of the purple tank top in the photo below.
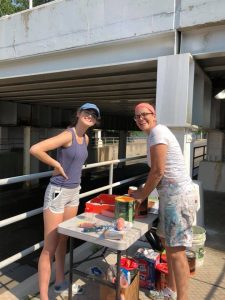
(71, 159)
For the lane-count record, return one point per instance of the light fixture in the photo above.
(220, 95)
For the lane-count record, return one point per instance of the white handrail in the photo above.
(30, 177)
(22, 178)
(20, 217)
(34, 212)
(21, 254)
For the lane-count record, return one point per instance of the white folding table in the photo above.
(72, 230)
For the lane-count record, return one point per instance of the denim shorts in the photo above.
(57, 198)
(176, 216)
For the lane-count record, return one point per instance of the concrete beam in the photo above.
(120, 52)
(203, 42)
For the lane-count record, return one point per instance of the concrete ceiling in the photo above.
(115, 88)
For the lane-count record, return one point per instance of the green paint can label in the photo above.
(124, 208)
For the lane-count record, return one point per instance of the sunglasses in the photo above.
(89, 113)
(142, 115)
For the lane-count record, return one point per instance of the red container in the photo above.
(163, 258)
(102, 202)
(128, 263)
(129, 267)
(161, 276)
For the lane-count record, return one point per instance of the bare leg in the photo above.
(180, 269)
(171, 279)
(51, 221)
(60, 253)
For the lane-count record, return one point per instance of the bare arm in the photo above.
(158, 159)
(40, 150)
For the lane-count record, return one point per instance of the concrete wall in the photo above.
(212, 176)
(201, 12)
(78, 23)
(110, 152)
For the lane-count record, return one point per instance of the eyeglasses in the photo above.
(90, 114)
(142, 115)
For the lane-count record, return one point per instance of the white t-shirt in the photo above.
(175, 173)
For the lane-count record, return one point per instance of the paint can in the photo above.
(124, 208)
(132, 189)
(191, 257)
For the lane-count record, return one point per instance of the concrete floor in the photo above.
(207, 283)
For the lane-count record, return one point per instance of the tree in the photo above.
(8, 7)
(39, 2)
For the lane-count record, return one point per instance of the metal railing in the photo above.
(37, 211)
(199, 154)
(115, 140)
(18, 143)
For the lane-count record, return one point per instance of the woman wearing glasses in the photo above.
(61, 199)
(177, 204)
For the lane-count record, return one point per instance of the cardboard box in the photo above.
(102, 202)
(131, 293)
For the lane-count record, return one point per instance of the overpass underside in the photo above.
(57, 56)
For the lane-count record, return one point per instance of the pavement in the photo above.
(208, 282)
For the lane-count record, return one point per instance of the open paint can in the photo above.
(124, 208)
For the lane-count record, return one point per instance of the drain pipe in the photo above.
(176, 22)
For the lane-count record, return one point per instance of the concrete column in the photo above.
(202, 99)
(186, 141)
(122, 146)
(174, 91)
(215, 150)
(34, 162)
(26, 154)
(98, 138)
(97, 148)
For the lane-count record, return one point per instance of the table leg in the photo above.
(118, 275)
(71, 269)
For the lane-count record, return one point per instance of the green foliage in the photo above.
(137, 134)
(39, 2)
(8, 7)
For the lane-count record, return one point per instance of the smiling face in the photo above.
(88, 117)
(145, 119)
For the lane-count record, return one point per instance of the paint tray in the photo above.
(100, 204)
